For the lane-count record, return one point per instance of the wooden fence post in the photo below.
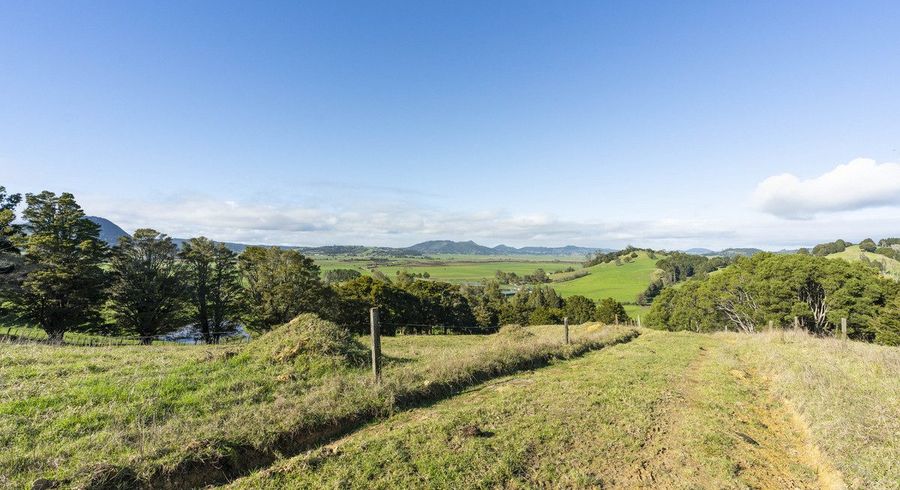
(566, 328)
(617, 318)
(796, 323)
(844, 328)
(376, 344)
(770, 325)
(639, 321)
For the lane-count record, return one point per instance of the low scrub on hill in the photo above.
(184, 416)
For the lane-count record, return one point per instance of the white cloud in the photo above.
(862, 183)
(388, 224)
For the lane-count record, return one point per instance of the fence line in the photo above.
(32, 335)
(35, 335)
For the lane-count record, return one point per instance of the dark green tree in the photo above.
(579, 309)
(279, 285)
(9, 232)
(335, 276)
(441, 303)
(610, 311)
(868, 245)
(545, 316)
(214, 286)
(66, 286)
(887, 324)
(148, 289)
(355, 298)
(11, 264)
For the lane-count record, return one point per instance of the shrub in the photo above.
(887, 325)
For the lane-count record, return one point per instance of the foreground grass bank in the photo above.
(186, 417)
(847, 395)
(667, 410)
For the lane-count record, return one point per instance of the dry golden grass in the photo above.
(846, 393)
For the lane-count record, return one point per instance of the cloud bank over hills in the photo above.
(859, 184)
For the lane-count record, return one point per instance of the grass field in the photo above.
(188, 416)
(457, 269)
(621, 282)
(854, 254)
(667, 410)
(473, 272)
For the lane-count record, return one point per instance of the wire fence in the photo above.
(436, 329)
(35, 335)
(186, 337)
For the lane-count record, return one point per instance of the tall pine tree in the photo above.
(148, 291)
(64, 288)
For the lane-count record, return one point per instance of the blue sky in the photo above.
(665, 124)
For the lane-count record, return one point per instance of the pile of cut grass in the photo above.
(191, 416)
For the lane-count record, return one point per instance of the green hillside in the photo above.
(476, 271)
(854, 254)
(457, 269)
(622, 282)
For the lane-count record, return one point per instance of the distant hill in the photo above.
(109, 231)
(728, 252)
(360, 251)
(739, 252)
(567, 250)
(472, 248)
(234, 247)
(888, 266)
(451, 247)
(700, 251)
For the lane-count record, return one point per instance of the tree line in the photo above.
(813, 291)
(56, 273)
(677, 267)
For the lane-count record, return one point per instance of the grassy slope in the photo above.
(853, 254)
(454, 268)
(71, 413)
(623, 282)
(476, 271)
(668, 410)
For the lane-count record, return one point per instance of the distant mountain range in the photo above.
(110, 233)
(472, 248)
(732, 252)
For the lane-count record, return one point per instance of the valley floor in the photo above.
(667, 410)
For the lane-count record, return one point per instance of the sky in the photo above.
(664, 124)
